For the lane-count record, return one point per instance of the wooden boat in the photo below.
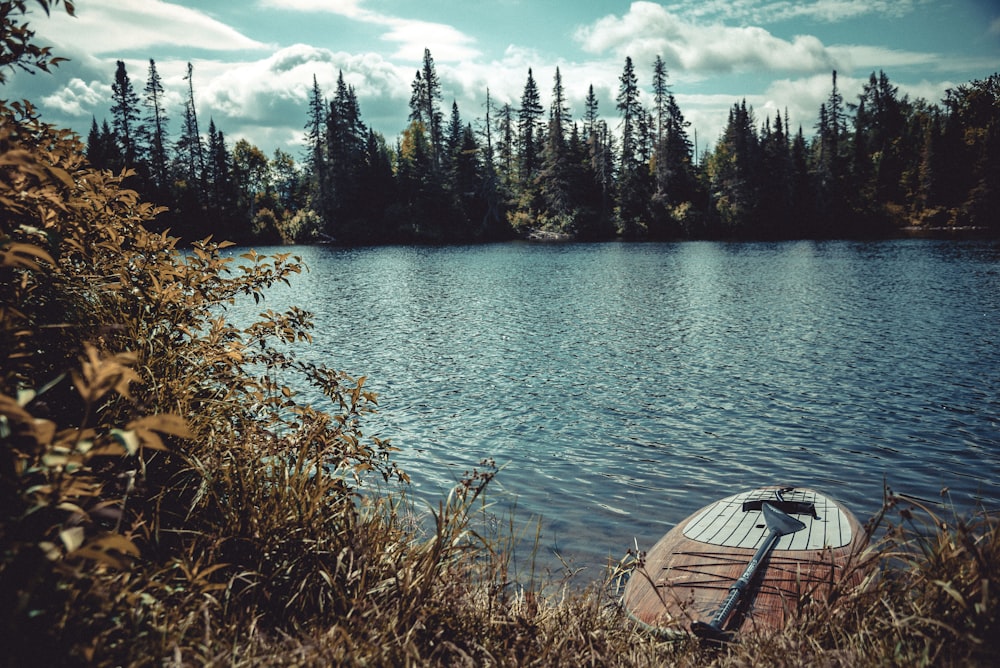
(799, 542)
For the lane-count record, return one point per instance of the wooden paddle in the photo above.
(780, 524)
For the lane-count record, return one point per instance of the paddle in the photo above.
(780, 524)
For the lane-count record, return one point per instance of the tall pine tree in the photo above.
(156, 124)
(125, 115)
(528, 117)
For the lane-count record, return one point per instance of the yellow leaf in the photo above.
(150, 439)
(24, 255)
(165, 423)
(50, 549)
(116, 541)
(72, 538)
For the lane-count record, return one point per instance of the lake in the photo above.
(622, 386)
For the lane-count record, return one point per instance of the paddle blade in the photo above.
(780, 522)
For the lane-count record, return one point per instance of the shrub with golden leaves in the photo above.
(142, 433)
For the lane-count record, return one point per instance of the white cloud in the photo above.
(139, 24)
(266, 100)
(446, 43)
(869, 57)
(349, 8)
(78, 98)
(649, 29)
(757, 12)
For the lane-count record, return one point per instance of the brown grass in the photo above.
(166, 499)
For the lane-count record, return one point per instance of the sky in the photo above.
(254, 61)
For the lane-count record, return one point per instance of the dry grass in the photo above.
(166, 499)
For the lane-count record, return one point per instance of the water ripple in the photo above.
(623, 386)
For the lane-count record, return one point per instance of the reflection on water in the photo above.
(623, 386)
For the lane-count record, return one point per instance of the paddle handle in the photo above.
(714, 627)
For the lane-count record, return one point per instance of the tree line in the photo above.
(870, 168)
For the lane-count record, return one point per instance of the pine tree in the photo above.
(878, 126)
(675, 182)
(733, 170)
(346, 139)
(830, 166)
(506, 153)
(803, 206)
(102, 147)
(634, 183)
(554, 176)
(156, 123)
(189, 146)
(220, 195)
(631, 110)
(491, 195)
(775, 189)
(125, 112)
(454, 137)
(425, 100)
(527, 128)
(661, 97)
(591, 114)
(315, 141)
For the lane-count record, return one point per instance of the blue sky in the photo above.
(254, 60)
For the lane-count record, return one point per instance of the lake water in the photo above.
(623, 386)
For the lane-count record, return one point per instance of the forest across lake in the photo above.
(623, 385)
(871, 166)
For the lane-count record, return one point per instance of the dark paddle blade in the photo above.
(780, 522)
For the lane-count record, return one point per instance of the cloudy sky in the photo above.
(254, 61)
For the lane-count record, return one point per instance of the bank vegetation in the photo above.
(166, 499)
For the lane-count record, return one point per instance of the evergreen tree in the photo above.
(467, 184)
(527, 127)
(733, 169)
(102, 147)
(878, 160)
(220, 195)
(377, 189)
(346, 139)
(591, 114)
(835, 198)
(454, 137)
(420, 194)
(156, 123)
(675, 183)
(555, 175)
(492, 214)
(661, 97)
(506, 153)
(425, 106)
(803, 210)
(775, 189)
(631, 111)
(189, 146)
(974, 115)
(634, 182)
(315, 141)
(125, 114)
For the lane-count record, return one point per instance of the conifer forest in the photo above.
(874, 166)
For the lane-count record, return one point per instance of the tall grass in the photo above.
(166, 499)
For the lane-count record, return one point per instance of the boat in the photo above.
(745, 563)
